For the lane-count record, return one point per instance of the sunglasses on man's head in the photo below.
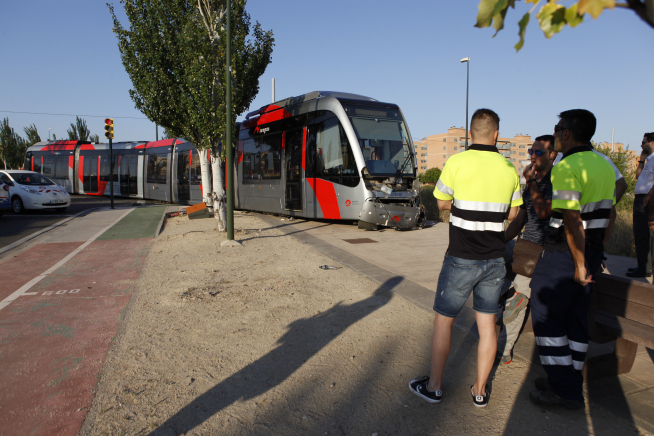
(538, 153)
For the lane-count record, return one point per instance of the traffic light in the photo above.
(109, 128)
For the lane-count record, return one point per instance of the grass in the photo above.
(621, 242)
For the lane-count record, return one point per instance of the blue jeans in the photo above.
(459, 277)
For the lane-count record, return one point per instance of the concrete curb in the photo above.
(40, 232)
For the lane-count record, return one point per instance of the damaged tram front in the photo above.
(330, 155)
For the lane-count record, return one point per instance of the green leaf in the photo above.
(487, 10)
(523, 27)
(572, 17)
(594, 7)
(551, 18)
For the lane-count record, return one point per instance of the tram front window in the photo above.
(384, 143)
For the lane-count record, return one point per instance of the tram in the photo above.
(166, 170)
(329, 155)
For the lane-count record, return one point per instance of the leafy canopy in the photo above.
(80, 132)
(12, 146)
(554, 16)
(174, 53)
(430, 176)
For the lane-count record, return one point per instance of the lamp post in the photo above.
(49, 128)
(467, 62)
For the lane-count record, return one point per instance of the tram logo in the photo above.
(348, 202)
(260, 130)
(396, 219)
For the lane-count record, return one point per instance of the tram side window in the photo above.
(262, 158)
(28, 162)
(157, 168)
(196, 170)
(55, 167)
(328, 152)
(104, 169)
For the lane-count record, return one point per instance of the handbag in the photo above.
(525, 256)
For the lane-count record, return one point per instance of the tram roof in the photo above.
(291, 101)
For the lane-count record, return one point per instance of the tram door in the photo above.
(293, 165)
(128, 175)
(90, 174)
(184, 176)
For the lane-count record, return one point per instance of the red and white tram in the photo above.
(141, 169)
(329, 155)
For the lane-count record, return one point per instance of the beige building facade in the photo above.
(435, 150)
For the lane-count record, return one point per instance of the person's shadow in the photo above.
(305, 338)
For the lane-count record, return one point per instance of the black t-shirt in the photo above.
(536, 229)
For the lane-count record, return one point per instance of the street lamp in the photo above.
(467, 62)
(49, 128)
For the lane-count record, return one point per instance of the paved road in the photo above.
(62, 299)
(14, 227)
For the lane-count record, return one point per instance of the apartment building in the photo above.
(435, 150)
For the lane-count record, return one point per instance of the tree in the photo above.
(32, 134)
(430, 176)
(12, 146)
(553, 16)
(79, 131)
(621, 159)
(174, 53)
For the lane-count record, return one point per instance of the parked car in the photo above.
(31, 190)
(5, 202)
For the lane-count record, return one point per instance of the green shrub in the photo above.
(429, 201)
(431, 176)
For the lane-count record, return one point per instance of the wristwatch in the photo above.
(531, 180)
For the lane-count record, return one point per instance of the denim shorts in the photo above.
(459, 277)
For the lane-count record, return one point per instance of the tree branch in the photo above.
(645, 10)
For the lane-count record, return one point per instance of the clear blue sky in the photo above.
(62, 57)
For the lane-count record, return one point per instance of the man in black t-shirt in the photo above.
(533, 216)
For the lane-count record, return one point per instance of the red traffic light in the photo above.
(108, 121)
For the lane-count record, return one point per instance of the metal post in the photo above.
(111, 172)
(467, 82)
(273, 89)
(156, 130)
(229, 165)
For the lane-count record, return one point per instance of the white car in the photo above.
(31, 190)
(5, 203)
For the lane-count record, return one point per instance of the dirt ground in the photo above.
(258, 340)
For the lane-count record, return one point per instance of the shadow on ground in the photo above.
(305, 338)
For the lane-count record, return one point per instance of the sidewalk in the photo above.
(62, 298)
(418, 256)
(258, 340)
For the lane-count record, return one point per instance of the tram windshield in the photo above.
(383, 139)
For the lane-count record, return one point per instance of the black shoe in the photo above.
(549, 399)
(632, 269)
(419, 387)
(639, 273)
(542, 384)
(480, 400)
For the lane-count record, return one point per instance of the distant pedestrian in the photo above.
(583, 187)
(481, 188)
(534, 218)
(645, 181)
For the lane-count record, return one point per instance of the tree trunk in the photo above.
(206, 177)
(218, 195)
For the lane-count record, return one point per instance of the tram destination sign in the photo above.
(394, 194)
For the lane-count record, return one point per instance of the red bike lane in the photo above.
(54, 339)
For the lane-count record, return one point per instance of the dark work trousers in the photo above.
(642, 235)
(559, 311)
